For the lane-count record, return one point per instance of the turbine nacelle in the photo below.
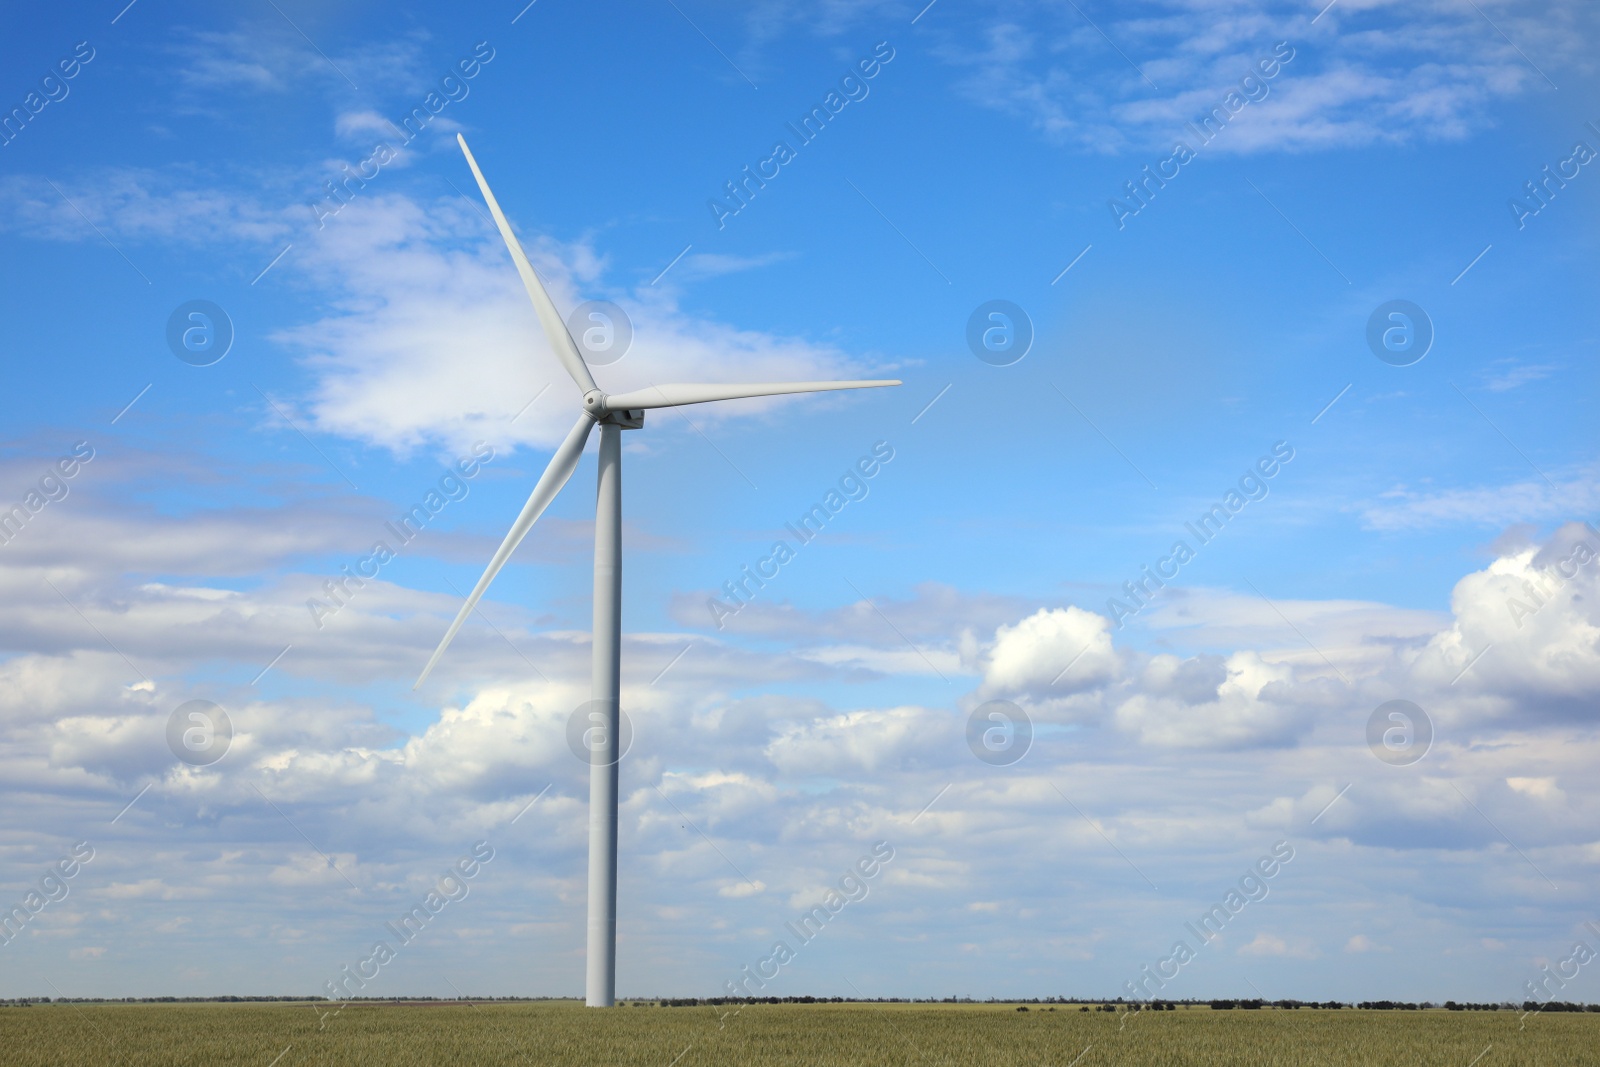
(625, 418)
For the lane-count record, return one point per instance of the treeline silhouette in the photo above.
(1044, 1003)
(1119, 1004)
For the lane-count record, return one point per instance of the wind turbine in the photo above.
(613, 413)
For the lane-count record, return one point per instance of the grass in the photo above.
(563, 1032)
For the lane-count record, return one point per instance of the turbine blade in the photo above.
(556, 475)
(556, 330)
(677, 395)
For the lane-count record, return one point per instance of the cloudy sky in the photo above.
(1320, 276)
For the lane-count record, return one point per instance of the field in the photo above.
(561, 1032)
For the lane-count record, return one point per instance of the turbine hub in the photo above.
(594, 402)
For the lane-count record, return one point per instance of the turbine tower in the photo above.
(613, 413)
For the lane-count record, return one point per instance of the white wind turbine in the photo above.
(613, 413)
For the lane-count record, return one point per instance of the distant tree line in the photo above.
(25, 1002)
(1119, 1004)
(1083, 1004)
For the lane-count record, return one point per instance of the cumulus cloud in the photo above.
(432, 339)
(1528, 628)
(1543, 788)
(861, 741)
(1063, 661)
(739, 801)
(1216, 702)
(1051, 654)
(429, 339)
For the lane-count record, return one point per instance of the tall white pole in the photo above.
(600, 988)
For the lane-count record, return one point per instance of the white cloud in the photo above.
(1541, 788)
(1052, 653)
(1532, 621)
(430, 340)
(1357, 636)
(931, 615)
(269, 57)
(1531, 500)
(1364, 73)
(717, 264)
(858, 741)
(1508, 374)
(785, 789)
(364, 124)
(1212, 702)
(1271, 945)
(141, 205)
(434, 341)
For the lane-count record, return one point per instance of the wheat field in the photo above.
(563, 1032)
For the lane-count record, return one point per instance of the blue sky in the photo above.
(985, 158)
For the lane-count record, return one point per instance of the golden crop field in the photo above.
(562, 1032)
